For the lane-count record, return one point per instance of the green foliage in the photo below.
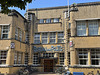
(5, 4)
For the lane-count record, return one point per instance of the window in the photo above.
(93, 27)
(95, 57)
(48, 20)
(20, 35)
(41, 21)
(44, 38)
(19, 58)
(56, 20)
(35, 59)
(3, 55)
(15, 58)
(27, 37)
(5, 32)
(69, 58)
(26, 58)
(16, 33)
(37, 38)
(60, 37)
(81, 28)
(48, 54)
(52, 37)
(61, 58)
(83, 57)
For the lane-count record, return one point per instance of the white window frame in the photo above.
(45, 38)
(60, 37)
(61, 58)
(37, 38)
(83, 54)
(53, 37)
(3, 57)
(5, 33)
(16, 33)
(81, 28)
(35, 59)
(20, 35)
(48, 54)
(93, 27)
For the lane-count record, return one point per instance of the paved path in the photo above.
(44, 74)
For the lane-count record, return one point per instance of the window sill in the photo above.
(49, 23)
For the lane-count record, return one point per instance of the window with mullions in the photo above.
(16, 33)
(5, 32)
(60, 37)
(52, 37)
(15, 58)
(83, 57)
(37, 38)
(48, 54)
(69, 58)
(81, 28)
(95, 57)
(93, 27)
(20, 35)
(48, 20)
(56, 20)
(41, 21)
(44, 38)
(35, 59)
(26, 58)
(61, 58)
(19, 58)
(3, 56)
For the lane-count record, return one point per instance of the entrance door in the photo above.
(48, 65)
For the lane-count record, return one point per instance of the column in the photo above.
(48, 37)
(23, 58)
(87, 29)
(10, 57)
(40, 37)
(89, 57)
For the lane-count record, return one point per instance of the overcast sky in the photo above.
(51, 3)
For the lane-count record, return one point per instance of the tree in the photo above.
(5, 4)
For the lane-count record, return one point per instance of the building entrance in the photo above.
(48, 65)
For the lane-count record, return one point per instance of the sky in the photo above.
(51, 3)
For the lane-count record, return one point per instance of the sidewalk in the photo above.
(43, 73)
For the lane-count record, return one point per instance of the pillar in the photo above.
(23, 58)
(89, 57)
(56, 37)
(48, 37)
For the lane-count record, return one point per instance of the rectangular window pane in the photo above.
(16, 33)
(83, 57)
(61, 58)
(93, 27)
(48, 20)
(52, 37)
(5, 32)
(35, 59)
(56, 20)
(60, 37)
(41, 21)
(37, 38)
(81, 28)
(44, 38)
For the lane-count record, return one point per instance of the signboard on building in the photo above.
(71, 43)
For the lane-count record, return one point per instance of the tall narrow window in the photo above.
(27, 37)
(52, 37)
(37, 38)
(44, 38)
(83, 57)
(26, 58)
(48, 20)
(41, 21)
(61, 57)
(5, 32)
(60, 37)
(56, 20)
(19, 58)
(95, 57)
(69, 58)
(81, 28)
(35, 59)
(16, 33)
(93, 27)
(3, 56)
(20, 35)
(15, 58)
